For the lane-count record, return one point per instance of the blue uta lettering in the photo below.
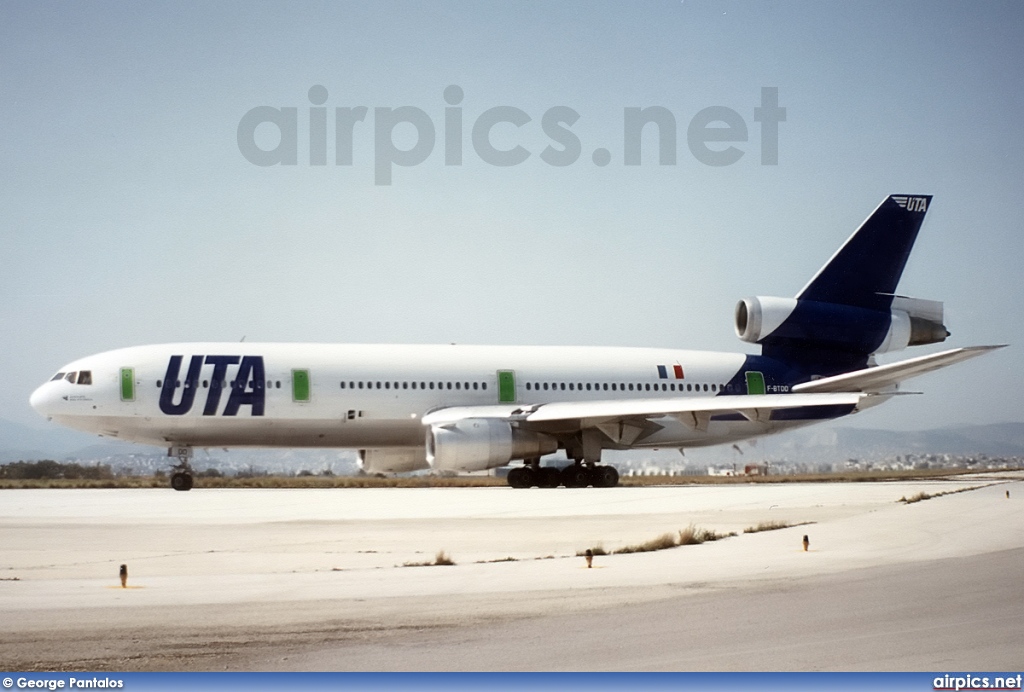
(246, 385)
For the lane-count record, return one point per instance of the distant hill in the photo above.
(20, 442)
(834, 443)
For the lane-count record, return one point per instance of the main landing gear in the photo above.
(576, 475)
(181, 476)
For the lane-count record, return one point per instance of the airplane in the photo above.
(469, 408)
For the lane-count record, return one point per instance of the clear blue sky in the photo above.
(128, 214)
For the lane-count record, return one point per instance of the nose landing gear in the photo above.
(181, 476)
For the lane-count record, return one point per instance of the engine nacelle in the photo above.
(476, 444)
(393, 460)
(759, 316)
(910, 322)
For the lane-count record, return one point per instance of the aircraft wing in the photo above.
(694, 411)
(877, 378)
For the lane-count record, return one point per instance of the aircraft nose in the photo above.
(42, 399)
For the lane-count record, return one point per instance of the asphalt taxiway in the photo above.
(318, 579)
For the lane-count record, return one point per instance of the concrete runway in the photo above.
(314, 579)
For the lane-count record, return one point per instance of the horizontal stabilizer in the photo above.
(878, 378)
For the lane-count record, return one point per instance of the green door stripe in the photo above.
(300, 385)
(127, 384)
(506, 386)
(755, 383)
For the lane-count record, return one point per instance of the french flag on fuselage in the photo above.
(675, 370)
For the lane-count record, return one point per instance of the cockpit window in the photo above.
(79, 377)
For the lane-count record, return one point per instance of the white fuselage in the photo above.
(367, 396)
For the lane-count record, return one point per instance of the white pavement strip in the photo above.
(61, 548)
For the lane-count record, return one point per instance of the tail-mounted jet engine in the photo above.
(909, 322)
(476, 444)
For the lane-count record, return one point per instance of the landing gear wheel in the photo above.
(575, 476)
(181, 481)
(605, 477)
(530, 476)
(549, 477)
(515, 477)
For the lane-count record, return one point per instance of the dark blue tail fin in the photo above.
(843, 314)
(866, 269)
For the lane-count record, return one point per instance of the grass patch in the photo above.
(662, 542)
(919, 497)
(596, 550)
(691, 535)
(280, 481)
(915, 498)
(442, 559)
(500, 559)
(773, 525)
